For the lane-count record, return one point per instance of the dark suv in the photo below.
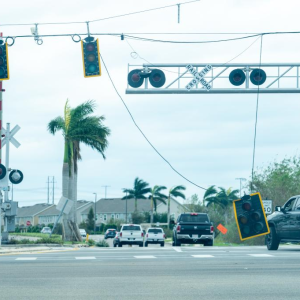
(110, 233)
(284, 224)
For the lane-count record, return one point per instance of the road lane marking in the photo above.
(26, 258)
(85, 257)
(202, 256)
(177, 249)
(261, 255)
(145, 256)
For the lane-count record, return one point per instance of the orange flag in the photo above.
(222, 228)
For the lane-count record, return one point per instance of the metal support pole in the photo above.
(126, 207)
(53, 190)
(105, 186)
(241, 179)
(178, 13)
(58, 217)
(95, 215)
(48, 192)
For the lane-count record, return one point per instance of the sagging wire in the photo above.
(140, 130)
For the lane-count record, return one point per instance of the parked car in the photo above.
(110, 233)
(46, 230)
(193, 228)
(82, 232)
(155, 236)
(284, 224)
(131, 234)
(116, 240)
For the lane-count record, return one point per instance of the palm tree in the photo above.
(175, 192)
(156, 196)
(77, 126)
(140, 188)
(210, 196)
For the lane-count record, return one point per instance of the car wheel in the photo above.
(146, 244)
(141, 245)
(120, 245)
(177, 243)
(272, 239)
(162, 244)
(209, 243)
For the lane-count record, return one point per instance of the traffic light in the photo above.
(250, 216)
(91, 57)
(257, 77)
(156, 77)
(4, 68)
(3, 178)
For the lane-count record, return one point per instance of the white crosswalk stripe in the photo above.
(261, 255)
(26, 258)
(177, 249)
(202, 256)
(145, 256)
(85, 257)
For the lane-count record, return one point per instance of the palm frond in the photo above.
(56, 125)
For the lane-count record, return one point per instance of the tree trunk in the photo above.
(151, 219)
(169, 209)
(67, 233)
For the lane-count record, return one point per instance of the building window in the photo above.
(112, 216)
(104, 217)
(117, 216)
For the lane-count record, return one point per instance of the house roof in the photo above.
(117, 205)
(29, 211)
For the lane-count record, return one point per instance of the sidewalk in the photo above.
(27, 249)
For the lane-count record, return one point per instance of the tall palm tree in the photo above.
(156, 196)
(175, 192)
(140, 189)
(210, 196)
(77, 126)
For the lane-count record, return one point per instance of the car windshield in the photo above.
(155, 230)
(132, 228)
(194, 218)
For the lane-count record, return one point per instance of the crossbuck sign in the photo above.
(198, 77)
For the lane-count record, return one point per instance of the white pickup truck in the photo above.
(131, 234)
(155, 236)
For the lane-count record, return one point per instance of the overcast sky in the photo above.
(207, 138)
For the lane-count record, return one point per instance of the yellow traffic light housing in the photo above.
(250, 216)
(91, 57)
(4, 67)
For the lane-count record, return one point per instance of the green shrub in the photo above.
(102, 243)
(91, 242)
(47, 240)
(23, 241)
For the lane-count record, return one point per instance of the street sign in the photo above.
(28, 223)
(198, 77)
(267, 206)
(65, 205)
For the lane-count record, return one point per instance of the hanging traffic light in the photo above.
(237, 77)
(4, 68)
(250, 216)
(91, 57)
(258, 76)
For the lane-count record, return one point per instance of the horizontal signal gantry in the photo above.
(214, 78)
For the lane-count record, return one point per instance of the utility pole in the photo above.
(48, 191)
(95, 215)
(105, 186)
(241, 179)
(53, 190)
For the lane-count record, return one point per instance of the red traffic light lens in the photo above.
(92, 68)
(246, 206)
(243, 219)
(90, 47)
(156, 77)
(91, 57)
(135, 77)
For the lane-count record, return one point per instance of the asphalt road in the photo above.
(153, 273)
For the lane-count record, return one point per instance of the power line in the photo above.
(143, 132)
(103, 19)
(256, 114)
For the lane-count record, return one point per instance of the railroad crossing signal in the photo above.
(198, 77)
(4, 67)
(250, 216)
(91, 57)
